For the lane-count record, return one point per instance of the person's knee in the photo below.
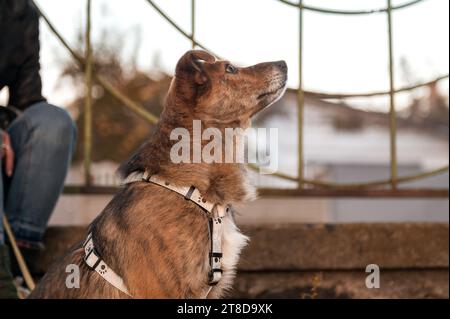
(53, 125)
(62, 124)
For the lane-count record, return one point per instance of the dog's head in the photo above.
(221, 92)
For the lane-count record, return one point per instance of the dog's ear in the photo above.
(191, 66)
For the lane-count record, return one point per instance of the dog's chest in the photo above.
(232, 243)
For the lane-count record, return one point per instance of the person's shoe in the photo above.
(7, 288)
(30, 251)
(22, 291)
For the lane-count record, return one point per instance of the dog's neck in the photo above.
(221, 182)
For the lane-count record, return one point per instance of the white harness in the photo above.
(94, 262)
(214, 212)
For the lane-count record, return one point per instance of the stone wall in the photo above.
(323, 260)
(329, 261)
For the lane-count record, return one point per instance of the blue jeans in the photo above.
(43, 139)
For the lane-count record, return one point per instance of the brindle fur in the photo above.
(152, 237)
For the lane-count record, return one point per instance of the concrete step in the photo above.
(322, 260)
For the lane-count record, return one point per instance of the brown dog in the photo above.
(153, 238)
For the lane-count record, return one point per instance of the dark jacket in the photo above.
(19, 52)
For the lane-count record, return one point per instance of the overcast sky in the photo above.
(341, 53)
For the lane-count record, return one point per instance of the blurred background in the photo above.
(345, 139)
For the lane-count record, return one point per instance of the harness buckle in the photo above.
(92, 261)
(189, 193)
(218, 255)
(212, 278)
(91, 256)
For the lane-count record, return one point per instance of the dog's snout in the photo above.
(282, 66)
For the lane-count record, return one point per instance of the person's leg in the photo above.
(43, 139)
(2, 211)
(7, 288)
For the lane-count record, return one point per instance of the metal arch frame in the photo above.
(348, 12)
(323, 189)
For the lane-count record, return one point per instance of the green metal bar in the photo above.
(52, 28)
(135, 107)
(193, 23)
(179, 29)
(151, 118)
(392, 113)
(88, 99)
(300, 101)
(349, 193)
(349, 12)
(361, 185)
(337, 96)
(293, 192)
(321, 95)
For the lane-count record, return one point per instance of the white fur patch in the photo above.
(233, 241)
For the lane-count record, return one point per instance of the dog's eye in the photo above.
(230, 69)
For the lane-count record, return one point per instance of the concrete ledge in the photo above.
(320, 260)
(319, 246)
(394, 284)
(347, 246)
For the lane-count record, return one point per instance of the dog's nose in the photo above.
(282, 66)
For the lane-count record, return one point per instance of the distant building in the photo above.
(336, 135)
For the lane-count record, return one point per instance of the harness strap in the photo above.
(215, 256)
(215, 213)
(189, 193)
(94, 262)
